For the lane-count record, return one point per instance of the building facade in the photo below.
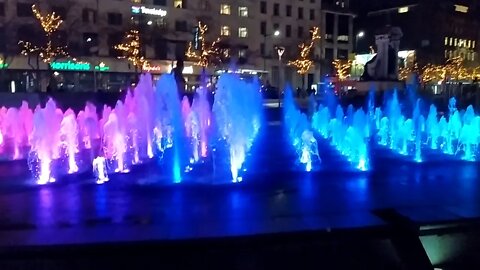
(250, 32)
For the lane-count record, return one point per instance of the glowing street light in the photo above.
(276, 33)
(360, 35)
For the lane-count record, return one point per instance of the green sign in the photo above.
(102, 68)
(77, 66)
(73, 66)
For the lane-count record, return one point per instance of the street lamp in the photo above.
(360, 35)
(276, 33)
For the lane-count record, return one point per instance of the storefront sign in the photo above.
(78, 66)
(102, 67)
(149, 11)
(69, 65)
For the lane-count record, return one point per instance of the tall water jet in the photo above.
(69, 139)
(298, 129)
(237, 109)
(169, 115)
(201, 107)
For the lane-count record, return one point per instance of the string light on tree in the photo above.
(50, 24)
(207, 52)
(131, 49)
(304, 63)
(342, 68)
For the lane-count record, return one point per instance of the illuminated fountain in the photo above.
(237, 110)
(299, 132)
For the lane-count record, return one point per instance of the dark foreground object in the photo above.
(399, 215)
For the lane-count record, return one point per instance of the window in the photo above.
(473, 44)
(181, 26)
(263, 28)
(2, 9)
(263, 7)
(242, 32)
(455, 42)
(24, 10)
(300, 32)
(243, 11)
(312, 14)
(460, 8)
(451, 41)
(89, 15)
(225, 31)
(225, 9)
(300, 13)
(160, 2)
(276, 9)
(469, 44)
(446, 41)
(288, 30)
(114, 18)
(288, 10)
(179, 4)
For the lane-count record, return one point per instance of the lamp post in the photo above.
(280, 52)
(359, 35)
(275, 34)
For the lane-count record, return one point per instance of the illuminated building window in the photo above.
(178, 4)
(243, 11)
(225, 31)
(403, 10)
(473, 56)
(455, 42)
(451, 41)
(450, 54)
(242, 32)
(473, 44)
(446, 41)
(225, 9)
(460, 8)
(446, 54)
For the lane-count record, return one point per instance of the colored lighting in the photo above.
(71, 66)
(149, 11)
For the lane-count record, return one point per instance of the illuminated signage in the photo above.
(78, 66)
(102, 67)
(149, 11)
(165, 68)
(69, 65)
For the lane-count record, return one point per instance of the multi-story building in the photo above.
(435, 29)
(337, 29)
(250, 33)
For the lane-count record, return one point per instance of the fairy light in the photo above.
(131, 48)
(208, 51)
(50, 24)
(342, 68)
(304, 63)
